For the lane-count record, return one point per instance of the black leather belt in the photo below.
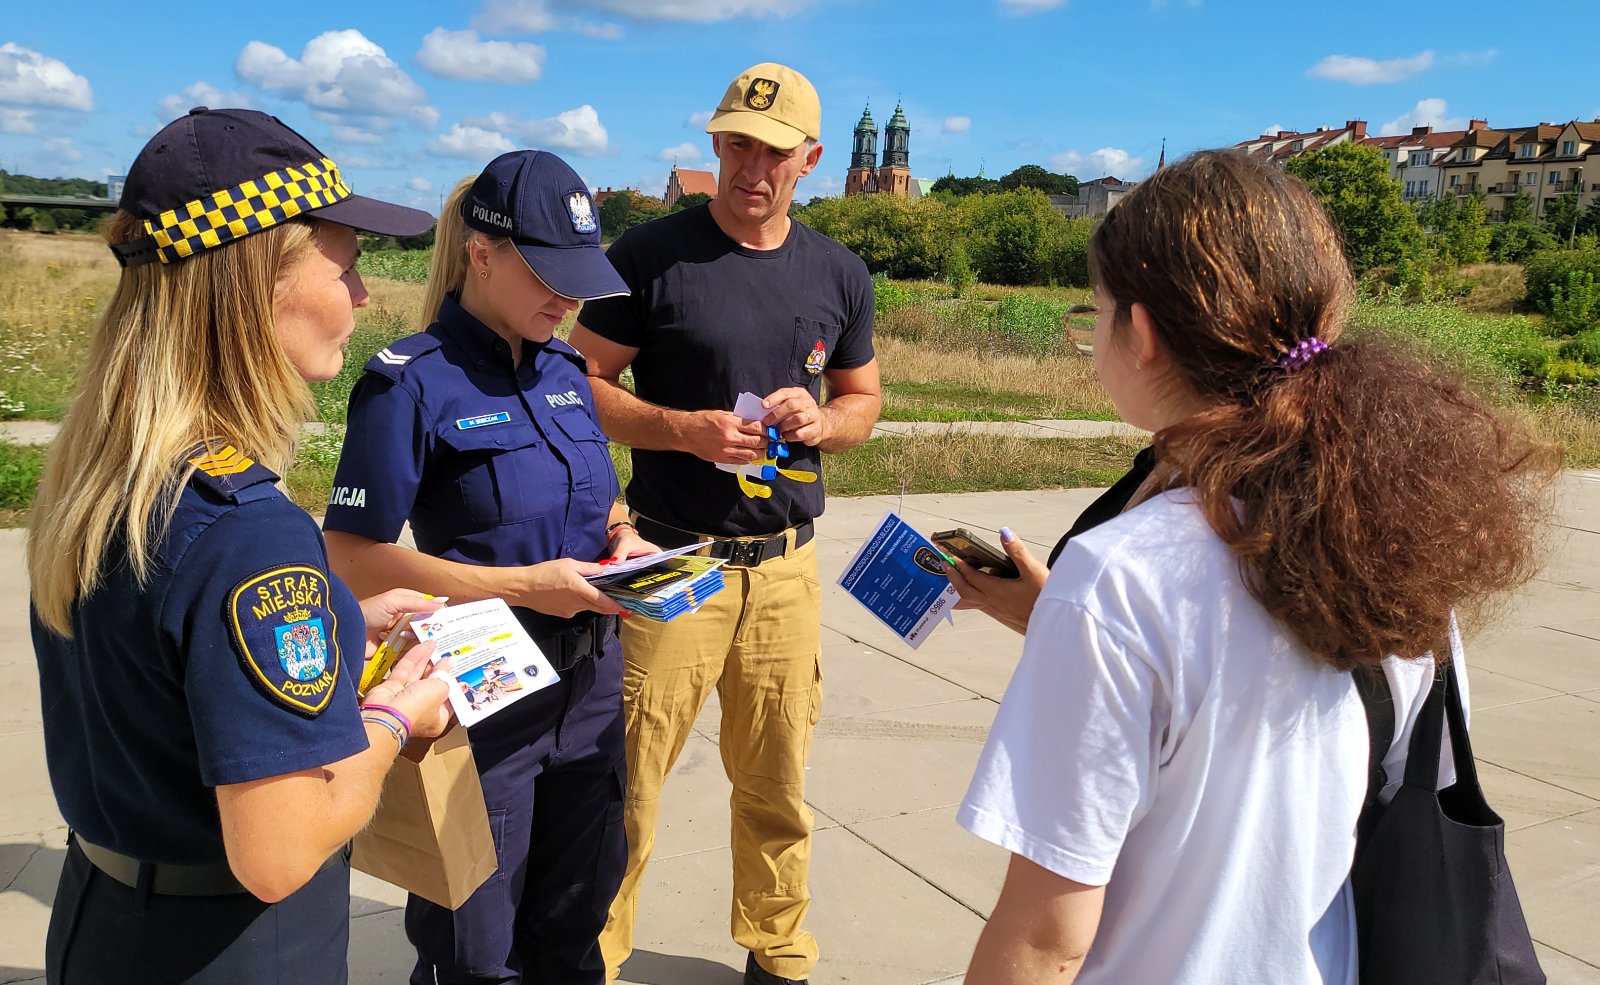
(745, 552)
(577, 642)
(212, 879)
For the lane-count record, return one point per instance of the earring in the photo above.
(484, 274)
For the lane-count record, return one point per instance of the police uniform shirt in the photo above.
(491, 464)
(712, 319)
(233, 663)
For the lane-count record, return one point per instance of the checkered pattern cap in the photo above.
(213, 176)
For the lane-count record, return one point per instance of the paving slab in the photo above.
(900, 889)
(1556, 866)
(682, 936)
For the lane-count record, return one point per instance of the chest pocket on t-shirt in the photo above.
(592, 472)
(500, 471)
(813, 348)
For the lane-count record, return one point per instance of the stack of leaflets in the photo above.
(667, 589)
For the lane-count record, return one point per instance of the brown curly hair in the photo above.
(1366, 494)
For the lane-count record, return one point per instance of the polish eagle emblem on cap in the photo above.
(582, 212)
(761, 94)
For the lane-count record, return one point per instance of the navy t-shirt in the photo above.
(233, 663)
(712, 319)
(491, 464)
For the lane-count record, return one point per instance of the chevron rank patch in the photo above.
(228, 461)
(286, 636)
(391, 358)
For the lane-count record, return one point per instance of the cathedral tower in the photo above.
(860, 180)
(895, 175)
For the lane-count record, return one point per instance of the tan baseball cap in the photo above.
(772, 103)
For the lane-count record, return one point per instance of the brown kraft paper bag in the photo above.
(430, 835)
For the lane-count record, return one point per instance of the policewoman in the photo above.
(480, 432)
(196, 657)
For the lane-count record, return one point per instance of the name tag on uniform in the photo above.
(483, 420)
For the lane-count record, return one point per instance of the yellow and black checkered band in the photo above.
(227, 215)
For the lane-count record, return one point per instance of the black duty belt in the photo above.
(745, 552)
(578, 642)
(212, 879)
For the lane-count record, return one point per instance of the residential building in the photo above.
(1095, 197)
(683, 182)
(1284, 144)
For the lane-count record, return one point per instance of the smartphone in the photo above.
(976, 552)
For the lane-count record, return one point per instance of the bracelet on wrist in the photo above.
(392, 712)
(611, 531)
(400, 737)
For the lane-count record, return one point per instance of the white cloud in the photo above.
(16, 120)
(957, 124)
(700, 11)
(200, 94)
(61, 148)
(469, 143)
(684, 152)
(577, 130)
(822, 184)
(420, 185)
(1029, 6)
(1360, 71)
(514, 17)
(699, 120)
(1106, 160)
(1427, 113)
(602, 30)
(536, 17)
(460, 55)
(28, 78)
(1275, 128)
(1470, 59)
(341, 72)
(347, 134)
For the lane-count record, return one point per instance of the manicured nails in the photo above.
(1006, 536)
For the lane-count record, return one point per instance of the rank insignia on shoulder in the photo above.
(286, 636)
(228, 461)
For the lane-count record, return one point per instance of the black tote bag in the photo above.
(1434, 900)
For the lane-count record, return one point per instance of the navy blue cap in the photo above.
(533, 198)
(211, 151)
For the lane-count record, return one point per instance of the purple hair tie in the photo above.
(1302, 352)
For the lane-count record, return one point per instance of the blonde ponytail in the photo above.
(449, 268)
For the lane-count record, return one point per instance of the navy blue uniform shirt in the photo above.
(233, 663)
(491, 464)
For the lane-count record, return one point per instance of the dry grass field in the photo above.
(994, 355)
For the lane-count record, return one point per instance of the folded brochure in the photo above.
(669, 588)
(486, 655)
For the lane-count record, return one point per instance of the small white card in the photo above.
(488, 659)
(747, 406)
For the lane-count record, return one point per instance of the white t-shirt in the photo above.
(1167, 738)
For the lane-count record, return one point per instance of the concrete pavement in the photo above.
(900, 891)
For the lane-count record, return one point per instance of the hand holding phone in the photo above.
(980, 554)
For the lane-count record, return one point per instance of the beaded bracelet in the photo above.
(391, 726)
(395, 713)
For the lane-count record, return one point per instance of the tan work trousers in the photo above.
(758, 642)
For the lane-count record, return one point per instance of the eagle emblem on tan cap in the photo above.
(761, 94)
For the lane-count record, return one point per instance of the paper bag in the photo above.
(430, 835)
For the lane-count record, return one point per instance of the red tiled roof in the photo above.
(697, 182)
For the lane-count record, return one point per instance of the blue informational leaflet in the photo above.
(899, 576)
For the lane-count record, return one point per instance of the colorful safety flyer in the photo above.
(492, 661)
(899, 576)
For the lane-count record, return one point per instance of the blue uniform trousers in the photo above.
(105, 933)
(553, 778)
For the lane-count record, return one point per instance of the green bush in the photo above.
(898, 237)
(1031, 324)
(406, 265)
(20, 466)
(1584, 347)
(888, 296)
(1551, 268)
(958, 270)
(1573, 308)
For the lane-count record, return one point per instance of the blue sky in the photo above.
(408, 96)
